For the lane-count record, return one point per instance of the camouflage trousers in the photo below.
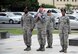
(27, 37)
(64, 38)
(42, 36)
(49, 37)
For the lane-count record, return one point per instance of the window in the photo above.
(75, 0)
(17, 14)
(69, 12)
(60, 0)
(32, 13)
(2, 14)
(67, 0)
(64, 0)
(72, 17)
(76, 12)
(53, 11)
(72, 0)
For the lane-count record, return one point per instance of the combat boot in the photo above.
(65, 49)
(28, 48)
(49, 47)
(41, 48)
(62, 49)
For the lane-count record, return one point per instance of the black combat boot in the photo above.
(49, 47)
(42, 48)
(65, 49)
(28, 48)
(62, 49)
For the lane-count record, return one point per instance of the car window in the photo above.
(10, 14)
(2, 14)
(69, 12)
(32, 13)
(77, 19)
(72, 17)
(17, 14)
(53, 11)
(76, 12)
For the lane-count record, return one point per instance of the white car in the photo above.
(32, 14)
(72, 12)
(73, 22)
(18, 13)
(9, 17)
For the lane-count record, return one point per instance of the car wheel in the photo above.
(11, 21)
(3, 22)
(18, 22)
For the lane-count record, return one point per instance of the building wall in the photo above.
(59, 3)
(45, 2)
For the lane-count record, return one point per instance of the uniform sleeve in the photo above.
(22, 21)
(58, 22)
(69, 29)
(36, 18)
(32, 22)
(53, 20)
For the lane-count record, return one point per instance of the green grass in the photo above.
(18, 31)
(13, 30)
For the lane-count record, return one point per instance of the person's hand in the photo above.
(31, 29)
(69, 32)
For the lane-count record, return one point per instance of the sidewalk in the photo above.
(15, 45)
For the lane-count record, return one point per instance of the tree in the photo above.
(68, 6)
(48, 6)
(19, 5)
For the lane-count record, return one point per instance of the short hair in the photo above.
(26, 9)
(63, 10)
(49, 11)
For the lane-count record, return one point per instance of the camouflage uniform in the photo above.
(64, 30)
(41, 26)
(49, 28)
(27, 23)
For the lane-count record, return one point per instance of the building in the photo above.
(60, 3)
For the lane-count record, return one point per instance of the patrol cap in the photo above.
(49, 11)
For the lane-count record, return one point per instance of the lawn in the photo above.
(15, 31)
(18, 31)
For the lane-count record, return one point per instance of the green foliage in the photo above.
(68, 6)
(48, 6)
(32, 4)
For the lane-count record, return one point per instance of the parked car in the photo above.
(18, 13)
(72, 12)
(32, 13)
(9, 17)
(73, 22)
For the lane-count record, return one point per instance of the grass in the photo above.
(13, 30)
(18, 31)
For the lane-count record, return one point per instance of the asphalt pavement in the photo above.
(10, 25)
(15, 45)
